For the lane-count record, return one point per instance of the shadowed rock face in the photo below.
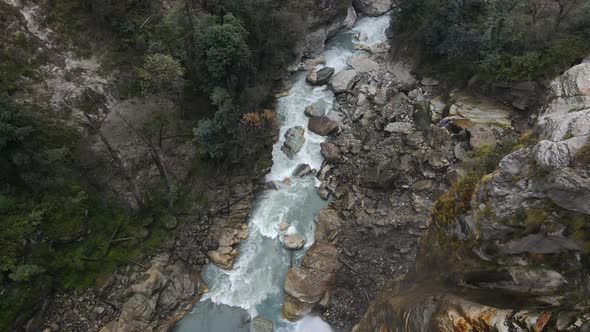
(310, 284)
(164, 287)
(516, 238)
(373, 7)
(435, 310)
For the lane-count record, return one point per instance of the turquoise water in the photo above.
(255, 285)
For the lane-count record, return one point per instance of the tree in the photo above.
(227, 57)
(565, 8)
(161, 74)
(213, 133)
(14, 125)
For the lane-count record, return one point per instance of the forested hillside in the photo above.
(503, 40)
(209, 67)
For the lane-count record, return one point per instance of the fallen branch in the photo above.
(124, 239)
(367, 295)
(137, 263)
(347, 265)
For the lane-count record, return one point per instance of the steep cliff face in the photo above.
(325, 21)
(513, 244)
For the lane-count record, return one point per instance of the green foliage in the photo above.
(497, 39)
(456, 202)
(14, 125)
(20, 55)
(160, 74)
(485, 160)
(25, 272)
(210, 135)
(116, 22)
(226, 56)
(213, 134)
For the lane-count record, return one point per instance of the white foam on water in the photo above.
(372, 28)
(291, 113)
(336, 58)
(312, 324)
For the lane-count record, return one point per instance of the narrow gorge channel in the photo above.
(254, 286)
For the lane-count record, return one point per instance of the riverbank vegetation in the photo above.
(212, 62)
(499, 40)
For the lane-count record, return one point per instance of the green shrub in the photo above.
(493, 39)
(583, 155)
(25, 272)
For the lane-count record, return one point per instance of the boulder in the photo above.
(284, 226)
(402, 70)
(323, 192)
(328, 221)
(316, 109)
(224, 261)
(294, 241)
(570, 190)
(271, 185)
(302, 170)
(294, 141)
(322, 125)
(165, 287)
(362, 63)
(321, 76)
(538, 244)
(481, 135)
(343, 81)
(437, 108)
(400, 128)
(294, 309)
(480, 110)
(424, 309)
(259, 324)
(330, 151)
(552, 155)
(372, 7)
(307, 285)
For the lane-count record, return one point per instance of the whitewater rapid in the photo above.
(255, 285)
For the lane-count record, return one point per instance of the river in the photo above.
(255, 285)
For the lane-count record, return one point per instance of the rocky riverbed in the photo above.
(413, 199)
(403, 145)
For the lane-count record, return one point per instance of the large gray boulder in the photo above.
(294, 141)
(322, 125)
(293, 241)
(302, 170)
(343, 81)
(372, 7)
(329, 151)
(318, 108)
(362, 63)
(260, 324)
(307, 284)
(321, 76)
(400, 128)
(325, 23)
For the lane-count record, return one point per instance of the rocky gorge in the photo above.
(449, 209)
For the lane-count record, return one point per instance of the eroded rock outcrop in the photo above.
(310, 284)
(294, 141)
(160, 292)
(373, 7)
(512, 240)
(330, 17)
